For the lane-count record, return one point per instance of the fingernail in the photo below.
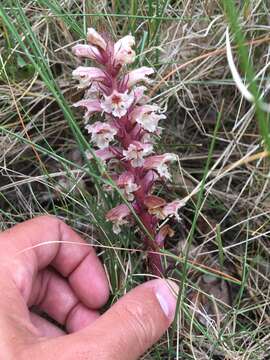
(166, 293)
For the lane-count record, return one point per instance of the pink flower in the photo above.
(147, 138)
(102, 154)
(148, 180)
(117, 103)
(92, 92)
(126, 181)
(86, 75)
(91, 106)
(165, 231)
(155, 205)
(172, 208)
(139, 96)
(86, 51)
(136, 153)
(118, 217)
(159, 163)
(94, 38)
(102, 133)
(154, 202)
(161, 209)
(123, 53)
(145, 116)
(139, 75)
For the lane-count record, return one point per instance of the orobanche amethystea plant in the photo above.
(126, 136)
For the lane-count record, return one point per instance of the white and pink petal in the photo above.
(102, 154)
(139, 95)
(123, 52)
(136, 153)
(139, 75)
(102, 133)
(126, 182)
(86, 51)
(159, 163)
(172, 208)
(117, 103)
(147, 117)
(86, 75)
(91, 106)
(94, 38)
(118, 216)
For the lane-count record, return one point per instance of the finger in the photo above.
(32, 245)
(126, 330)
(53, 294)
(44, 327)
(80, 317)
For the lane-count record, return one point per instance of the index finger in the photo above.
(33, 245)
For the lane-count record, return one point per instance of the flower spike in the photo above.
(124, 137)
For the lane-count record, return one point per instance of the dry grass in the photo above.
(41, 170)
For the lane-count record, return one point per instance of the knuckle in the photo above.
(50, 219)
(54, 223)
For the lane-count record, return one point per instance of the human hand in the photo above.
(43, 262)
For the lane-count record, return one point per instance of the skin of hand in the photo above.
(43, 262)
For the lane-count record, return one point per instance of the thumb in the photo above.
(128, 328)
(137, 320)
